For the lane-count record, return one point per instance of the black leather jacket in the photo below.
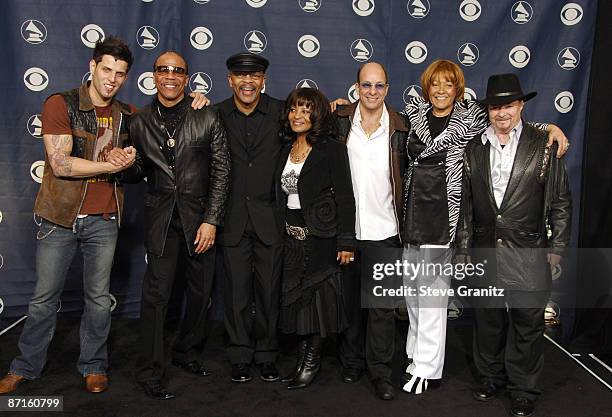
(200, 182)
(537, 196)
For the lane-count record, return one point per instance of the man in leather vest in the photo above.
(514, 189)
(251, 241)
(80, 204)
(183, 153)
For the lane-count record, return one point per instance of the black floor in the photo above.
(569, 390)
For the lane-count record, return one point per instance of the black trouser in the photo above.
(252, 274)
(508, 343)
(156, 291)
(377, 335)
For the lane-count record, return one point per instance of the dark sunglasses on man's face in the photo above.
(165, 69)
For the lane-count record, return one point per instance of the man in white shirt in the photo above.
(375, 136)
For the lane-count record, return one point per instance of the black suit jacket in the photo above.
(537, 194)
(200, 182)
(326, 193)
(253, 164)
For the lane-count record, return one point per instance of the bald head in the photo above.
(372, 65)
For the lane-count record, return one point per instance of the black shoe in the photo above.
(241, 372)
(267, 372)
(155, 390)
(351, 375)
(301, 356)
(384, 389)
(486, 392)
(312, 364)
(192, 367)
(522, 407)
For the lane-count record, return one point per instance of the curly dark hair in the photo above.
(323, 123)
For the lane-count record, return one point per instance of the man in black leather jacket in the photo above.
(183, 154)
(513, 188)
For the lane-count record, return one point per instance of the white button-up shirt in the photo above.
(501, 159)
(371, 175)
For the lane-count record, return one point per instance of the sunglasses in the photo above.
(380, 87)
(166, 69)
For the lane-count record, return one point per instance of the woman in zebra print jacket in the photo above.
(441, 125)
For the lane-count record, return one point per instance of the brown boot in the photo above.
(95, 383)
(10, 383)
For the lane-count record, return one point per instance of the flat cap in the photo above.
(246, 62)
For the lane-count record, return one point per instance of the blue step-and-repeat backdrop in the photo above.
(316, 43)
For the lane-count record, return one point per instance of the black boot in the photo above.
(301, 356)
(312, 364)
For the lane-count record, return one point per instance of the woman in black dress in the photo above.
(317, 212)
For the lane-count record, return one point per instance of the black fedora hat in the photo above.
(504, 89)
(246, 62)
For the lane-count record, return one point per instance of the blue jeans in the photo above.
(56, 246)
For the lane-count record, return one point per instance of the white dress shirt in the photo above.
(371, 175)
(501, 159)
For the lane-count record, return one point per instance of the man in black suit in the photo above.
(251, 240)
(184, 155)
(514, 189)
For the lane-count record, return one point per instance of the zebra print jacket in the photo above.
(468, 120)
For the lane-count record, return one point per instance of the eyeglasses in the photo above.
(366, 85)
(253, 75)
(166, 69)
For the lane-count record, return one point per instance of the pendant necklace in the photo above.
(298, 158)
(170, 142)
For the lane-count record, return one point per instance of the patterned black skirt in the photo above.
(311, 292)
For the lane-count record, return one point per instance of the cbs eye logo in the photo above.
(91, 34)
(470, 10)
(308, 46)
(412, 91)
(113, 301)
(564, 102)
(199, 1)
(200, 82)
(146, 84)
(307, 83)
(256, 3)
(36, 79)
(571, 14)
(416, 52)
(363, 7)
(37, 170)
(353, 94)
(201, 38)
(519, 56)
(33, 31)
